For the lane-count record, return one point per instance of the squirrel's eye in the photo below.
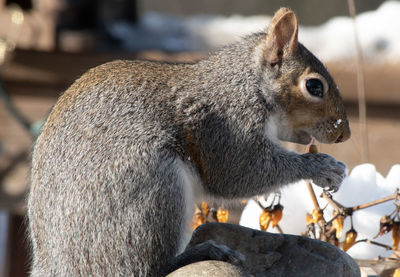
(315, 87)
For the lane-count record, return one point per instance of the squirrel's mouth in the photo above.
(302, 137)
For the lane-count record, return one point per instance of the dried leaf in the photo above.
(265, 219)
(337, 224)
(396, 234)
(350, 239)
(198, 219)
(277, 213)
(309, 219)
(222, 215)
(205, 208)
(385, 225)
(317, 215)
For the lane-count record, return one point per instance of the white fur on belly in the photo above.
(191, 185)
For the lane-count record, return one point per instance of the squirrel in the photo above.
(130, 145)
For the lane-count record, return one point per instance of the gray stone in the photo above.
(272, 255)
(207, 268)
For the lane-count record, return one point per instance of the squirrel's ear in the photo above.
(281, 35)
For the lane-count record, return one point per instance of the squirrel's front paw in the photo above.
(325, 171)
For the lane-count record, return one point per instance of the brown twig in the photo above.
(332, 219)
(376, 202)
(313, 197)
(387, 247)
(342, 209)
(260, 205)
(349, 211)
(279, 229)
(312, 148)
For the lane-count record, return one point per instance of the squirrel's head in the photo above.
(307, 99)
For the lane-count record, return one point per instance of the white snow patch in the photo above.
(378, 33)
(364, 184)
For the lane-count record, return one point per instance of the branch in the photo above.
(342, 209)
(349, 211)
(387, 247)
(376, 202)
(313, 197)
(279, 229)
(312, 148)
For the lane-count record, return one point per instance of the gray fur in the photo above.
(106, 196)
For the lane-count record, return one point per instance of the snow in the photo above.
(364, 184)
(332, 41)
(377, 30)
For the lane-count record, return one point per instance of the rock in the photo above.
(208, 268)
(272, 255)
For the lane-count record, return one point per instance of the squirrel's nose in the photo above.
(345, 135)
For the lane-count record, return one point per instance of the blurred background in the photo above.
(46, 44)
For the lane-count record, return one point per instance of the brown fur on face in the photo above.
(317, 117)
(304, 114)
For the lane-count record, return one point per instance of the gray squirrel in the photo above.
(130, 145)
